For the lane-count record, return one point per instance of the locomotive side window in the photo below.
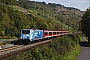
(25, 31)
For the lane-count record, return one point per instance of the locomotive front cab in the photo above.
(25, 34)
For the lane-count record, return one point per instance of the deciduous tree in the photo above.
(85, 23)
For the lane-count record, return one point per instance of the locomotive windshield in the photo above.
(25, 31)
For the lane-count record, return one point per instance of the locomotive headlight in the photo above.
(25, 36)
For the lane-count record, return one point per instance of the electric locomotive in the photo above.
(33, 35)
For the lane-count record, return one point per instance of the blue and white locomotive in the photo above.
(31, 35)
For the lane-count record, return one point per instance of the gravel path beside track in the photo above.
(85, 50)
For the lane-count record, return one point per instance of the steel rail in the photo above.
(4, 53)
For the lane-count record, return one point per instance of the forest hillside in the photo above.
(16, 15)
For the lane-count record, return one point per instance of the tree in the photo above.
(9, 2)
(85, 23)
(36, 54)
(42, 24)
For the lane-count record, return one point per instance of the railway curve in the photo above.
(4, 53)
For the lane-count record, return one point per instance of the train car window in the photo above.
(25, 31)
(46, 33)
(61, 32)
(57, 32)
(54, 32)
(50, 32)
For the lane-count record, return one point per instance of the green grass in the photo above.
(7, 37)
(73, 55)
(0, 43)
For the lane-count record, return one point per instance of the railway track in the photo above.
(4, 53)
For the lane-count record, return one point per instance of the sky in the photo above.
(80, 4)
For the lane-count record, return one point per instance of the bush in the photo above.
(55, 50)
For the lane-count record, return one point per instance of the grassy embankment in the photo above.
(64, 48)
